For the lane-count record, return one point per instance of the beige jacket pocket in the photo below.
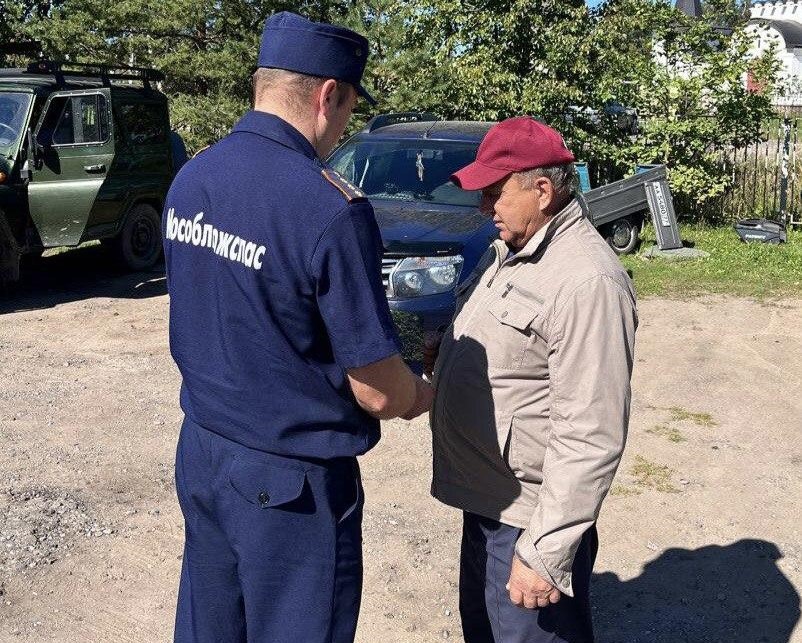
(526, 451)
(509, 331)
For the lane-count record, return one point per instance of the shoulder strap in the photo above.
(348, 189)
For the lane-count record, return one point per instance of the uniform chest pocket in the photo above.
(510, 334)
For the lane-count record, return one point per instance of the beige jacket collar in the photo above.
(537, 245)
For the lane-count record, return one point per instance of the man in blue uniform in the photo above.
(281, 330)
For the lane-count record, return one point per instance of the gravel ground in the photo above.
(700, 538)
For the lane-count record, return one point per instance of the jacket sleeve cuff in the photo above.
(526, 551)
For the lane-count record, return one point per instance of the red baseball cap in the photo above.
(514, 145)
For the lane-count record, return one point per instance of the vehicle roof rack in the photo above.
(62, 68)
(394, 118)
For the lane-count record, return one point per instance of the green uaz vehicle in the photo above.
(85, 153)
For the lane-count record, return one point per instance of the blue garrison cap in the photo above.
(294, 43)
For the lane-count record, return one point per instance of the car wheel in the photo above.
(140, 242)
(622, 235)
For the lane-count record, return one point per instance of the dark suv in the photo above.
(84, 154)
(433, 232)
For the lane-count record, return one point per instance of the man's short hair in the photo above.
(289, 86)
(563, 178)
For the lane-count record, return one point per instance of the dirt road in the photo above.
(700, 539)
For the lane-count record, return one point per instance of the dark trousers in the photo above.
(273, 549)
(488, 615)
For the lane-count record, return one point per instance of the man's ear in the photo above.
(327, 96)
(546, 190)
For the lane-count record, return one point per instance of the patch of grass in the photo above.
(744, 269)
(60, 250)
(700, 419)
(652, 475)
(668, 432)
(622, 491)
(678, 414)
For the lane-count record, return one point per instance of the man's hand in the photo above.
(528, 589)
(431, 348)
(424, 397)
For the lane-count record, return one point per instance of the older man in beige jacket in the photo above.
(533, 394)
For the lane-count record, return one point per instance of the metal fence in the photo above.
(766, 177)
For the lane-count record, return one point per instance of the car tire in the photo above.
(139, 244)
(623, 235)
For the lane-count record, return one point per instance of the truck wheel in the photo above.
(9, 254)
(140, 242)
(622, 235)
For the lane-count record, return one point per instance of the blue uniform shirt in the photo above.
(274, 277)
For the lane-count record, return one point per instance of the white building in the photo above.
(780, 22)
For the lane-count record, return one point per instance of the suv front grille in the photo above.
(389, 262)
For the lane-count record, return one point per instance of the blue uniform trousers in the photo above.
(273, 548)
(488, 615)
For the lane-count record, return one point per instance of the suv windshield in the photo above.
(13, 111)
(407, 170)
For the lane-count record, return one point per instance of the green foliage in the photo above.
(476, 61)
(483, 60)
(384, 24)
(502, 58)
(186, 39)
(686, 80)
(207, 50)
(15, 15)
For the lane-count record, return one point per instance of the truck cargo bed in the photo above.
(621, 198)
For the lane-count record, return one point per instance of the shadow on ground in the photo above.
(713, 594)
(81, 273)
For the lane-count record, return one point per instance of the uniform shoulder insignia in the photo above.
(201, 151)
(348, 189)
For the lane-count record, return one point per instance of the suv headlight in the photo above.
(417, 276)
